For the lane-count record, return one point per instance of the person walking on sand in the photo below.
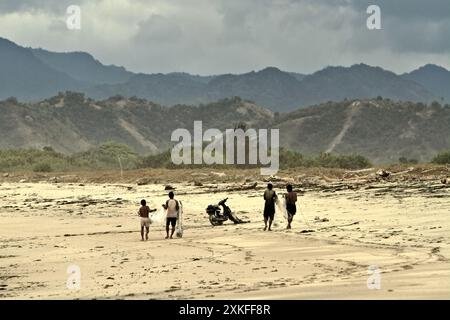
(291, 208)
(173, 207)
(144, 212)
(269, 207)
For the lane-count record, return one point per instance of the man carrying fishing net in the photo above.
(173, 207)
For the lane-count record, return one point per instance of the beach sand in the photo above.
(337, 235)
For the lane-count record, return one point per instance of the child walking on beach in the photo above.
(144, 212)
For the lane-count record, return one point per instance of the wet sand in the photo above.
(337, 235)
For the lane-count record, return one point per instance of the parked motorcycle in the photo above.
(219, 213)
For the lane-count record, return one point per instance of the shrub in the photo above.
(12, 100)
(328, 160)
(442, 158)
(42, 167)
(404, 160)
(436, 104)
(110, 155)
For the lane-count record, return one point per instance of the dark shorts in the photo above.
(291, 209)
(171, 221)
(269, 215)
(269, 211)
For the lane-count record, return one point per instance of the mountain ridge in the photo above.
(380, 129)
(82, 66)
(49, 73)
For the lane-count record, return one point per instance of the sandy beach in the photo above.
(403, 228)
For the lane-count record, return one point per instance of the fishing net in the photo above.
(179, 226)
(159, 217)
(280, 209)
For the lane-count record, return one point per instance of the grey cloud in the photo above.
(216, 36)
(409, 9)
(426, 37)
(413, 26)
(9, 6)
(157, 30)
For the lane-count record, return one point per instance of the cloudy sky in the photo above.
(234, 36)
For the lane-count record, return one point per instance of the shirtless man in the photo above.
(291, 208)
(269, 206)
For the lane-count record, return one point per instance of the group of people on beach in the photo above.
(270, 198)
(172, 207)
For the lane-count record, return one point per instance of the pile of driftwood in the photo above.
(381, 181)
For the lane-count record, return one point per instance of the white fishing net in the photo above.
(159, 217)
(179, 226)
(281, 214)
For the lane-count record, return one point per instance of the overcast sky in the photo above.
(235, 36)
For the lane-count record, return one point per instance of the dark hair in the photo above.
(289, 188)
(270, 186)
(143, 202)
(171, 195)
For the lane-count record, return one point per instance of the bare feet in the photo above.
(167, 237)
(265, 228)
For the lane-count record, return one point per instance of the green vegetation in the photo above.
(288, 159)
(291, 159)
(328, 160)
(32, 160)
(42, 167)
(442, 158)
(111, 156)
(161, 160)
(107, 156)
(115, 156)
(404, 160)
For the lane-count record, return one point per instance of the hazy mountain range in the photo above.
(380, 129)
(358, 109)
(35, 74)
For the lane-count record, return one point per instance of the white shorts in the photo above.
(146, 222)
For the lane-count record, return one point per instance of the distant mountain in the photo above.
(270, 87)
(34, 74)
(434, 78)
(26, 77)
(166, 89)
(71, 122)
(197, 78)
(359, 82)
(380, 129)
(298, 76)
(83, 67)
